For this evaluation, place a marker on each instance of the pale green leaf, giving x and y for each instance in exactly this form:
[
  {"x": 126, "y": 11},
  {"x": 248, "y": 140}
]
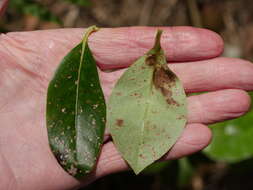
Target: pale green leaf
[{"x": 147, "y": 109}]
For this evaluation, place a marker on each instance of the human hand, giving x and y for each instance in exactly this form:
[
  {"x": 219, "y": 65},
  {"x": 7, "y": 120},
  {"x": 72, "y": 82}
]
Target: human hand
[{"x": 29, "y": 59}]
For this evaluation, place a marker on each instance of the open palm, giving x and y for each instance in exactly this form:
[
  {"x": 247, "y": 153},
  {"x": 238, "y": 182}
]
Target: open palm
[{"x": 28, "y": 60}]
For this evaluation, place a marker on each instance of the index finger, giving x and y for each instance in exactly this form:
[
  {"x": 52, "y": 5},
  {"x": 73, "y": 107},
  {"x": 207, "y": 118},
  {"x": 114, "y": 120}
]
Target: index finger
[
  {"x": 119, "y": 47},
  {"x": 112, "y": 48}
]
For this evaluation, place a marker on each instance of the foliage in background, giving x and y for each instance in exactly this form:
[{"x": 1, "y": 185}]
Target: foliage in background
[
  {"x": 37, "y": 9},
  {"x": 30, "y": 7},
  {"x": 232, "y": 139},
  {"x": 80, "y": 2}
]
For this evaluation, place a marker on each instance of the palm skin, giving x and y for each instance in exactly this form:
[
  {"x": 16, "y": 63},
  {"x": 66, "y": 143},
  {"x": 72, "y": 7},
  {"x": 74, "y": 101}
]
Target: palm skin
[{"x": 29, "y": 59}]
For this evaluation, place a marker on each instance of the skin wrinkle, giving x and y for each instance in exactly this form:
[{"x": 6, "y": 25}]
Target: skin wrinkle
[
  {"x": 38, "y": 66},
  {"x": 197, "y": 106},
  {"x": 12, "y": 183},
  {"x": 194, "y": 35},
  {"x": 32, "y": 74}
]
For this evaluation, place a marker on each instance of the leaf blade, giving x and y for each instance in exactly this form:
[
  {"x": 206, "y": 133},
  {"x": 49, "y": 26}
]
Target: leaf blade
[
  {"x": 76, "y": 111},
  {"x": 146, "y": 94}
]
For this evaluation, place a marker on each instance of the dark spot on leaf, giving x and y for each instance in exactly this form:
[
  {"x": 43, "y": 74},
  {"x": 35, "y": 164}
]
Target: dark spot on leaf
[
  {"x": 164, "y": 79},
  {"x": 135, "y": 94},
  {"x": 61, "y": 157},
  {"x": 141, "y": 156},
  {"x": 118, "y": 93},
  {"x": 119, "y": 122},
  {"x": 151, "y": 60},
  {"x": 181, "y": 117},
  {"x": 171, "y": 101}
]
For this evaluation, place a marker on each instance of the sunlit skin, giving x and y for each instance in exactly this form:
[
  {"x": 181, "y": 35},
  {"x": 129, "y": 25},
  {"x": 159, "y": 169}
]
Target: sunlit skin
[{"x": 29, "y": 59}]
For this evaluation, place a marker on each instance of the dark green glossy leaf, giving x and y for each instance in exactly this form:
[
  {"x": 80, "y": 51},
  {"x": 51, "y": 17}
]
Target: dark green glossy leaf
[
  {"x": 147, "y": 109},
  {"x": 76, "y": 111},
  {"x": 232, "y": 140},
  {"x": 156, "y": 167}
]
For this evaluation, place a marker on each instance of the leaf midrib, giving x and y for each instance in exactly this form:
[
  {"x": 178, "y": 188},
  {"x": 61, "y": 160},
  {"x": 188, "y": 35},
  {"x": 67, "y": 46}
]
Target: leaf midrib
[{"x": 143, "y": 123}]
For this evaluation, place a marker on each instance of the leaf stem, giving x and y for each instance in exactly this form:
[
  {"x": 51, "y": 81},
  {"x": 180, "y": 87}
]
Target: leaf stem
[
  {"x": 88, "y": 32},
  {"x": 157, "y": 45}
]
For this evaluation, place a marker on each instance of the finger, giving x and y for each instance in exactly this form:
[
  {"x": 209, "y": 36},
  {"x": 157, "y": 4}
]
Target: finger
[
  {"x": 194, "y": 138},
  {"x": 207, "y": 75},
  {"x": 217, "y": 106},
  {"x": 215, "y": 74},
  {"x": 112, "y": 48},
  {"x": 179, "y": 43}
]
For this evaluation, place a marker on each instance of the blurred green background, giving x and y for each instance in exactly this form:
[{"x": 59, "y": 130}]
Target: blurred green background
[{"x": 228, "y": 162}]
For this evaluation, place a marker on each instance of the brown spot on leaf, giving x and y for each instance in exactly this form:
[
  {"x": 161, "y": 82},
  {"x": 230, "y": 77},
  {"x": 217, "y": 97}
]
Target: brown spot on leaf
[
  {"x": 181, "y": 117},
  {"x": 164, "y": 79},
  {"x": 118, "y": 93},
  {"x": 171, "y": 101},
  {"x": 163, "y": 76},
  {"x": 119, "y": 122},
  {"x": 135, "y": 94},
  {"x": 151, "y": 60},
  {"x": 141, "y": 156}
]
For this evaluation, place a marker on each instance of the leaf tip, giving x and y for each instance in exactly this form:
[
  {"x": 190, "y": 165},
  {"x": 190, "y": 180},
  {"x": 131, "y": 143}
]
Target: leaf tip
[{"x": 138, "y": 169}]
